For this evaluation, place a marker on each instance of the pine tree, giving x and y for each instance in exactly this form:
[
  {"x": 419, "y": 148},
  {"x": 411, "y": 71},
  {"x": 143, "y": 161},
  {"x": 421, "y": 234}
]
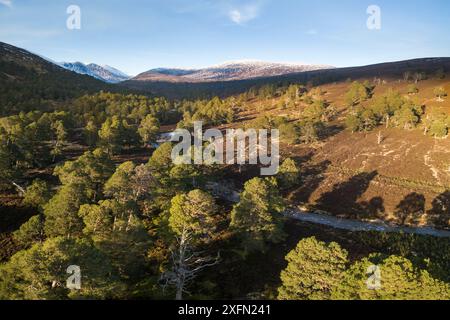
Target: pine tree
[
  {"x": 437, "y": 124},
  {"x": 161, "y": 163},
  {"x": 185, "y": 177},
  {"x": 193, "y": 213},
  {"x": 314, "y": 113},
  {"x": 310, "y": 131},
  {"x": 398, "y": 280},
  {"x": 118, "y": 231},
  {"x": 439, "y": 128},
  {"x": 128, "y": 135},
  {"x": 362, "y": 119},
  {"x": 91, "y": 170},
  {"x": 30, "y": 232},
  {"x": 358, "y": 93},
  {"x": 61, "y": 212},
  {"x": 98, "y": 220},
  {"x": 192, "y": 219},
  {"x": 368, "y": 118},
  {"x": 353, "y": 122},
  {"x": 8, "y": 166},
  {"x": 257, "y": 217},
  {"x": 118, "y": 185},
  {"x": 289, "y": 133},
  {"x": 440, "y": 92},
  {"x": 149, "y": 129},
  {"x": 40, "y": 273},
  {"x": 60, "y": 135},
  {"x": 37, "y": 195},
  {"x": 110, "y": 135},
  {"x": 314, "y": 270},
  {"x": 288, "y": 174},
  {"x": 408, "y": 116},
  {"x": 91, "y": 133},
  {"x": 385, "y": 106}
]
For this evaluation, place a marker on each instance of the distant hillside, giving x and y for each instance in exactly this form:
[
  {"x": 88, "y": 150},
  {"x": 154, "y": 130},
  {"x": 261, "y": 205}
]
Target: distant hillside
[
  {"x": 103, "y": 73},
  {"x": 391, "y": 171},
  {"x": 230, "y": 71},
  {"x": 29, "y": 82},
  {"x": 391, "y": 70}
]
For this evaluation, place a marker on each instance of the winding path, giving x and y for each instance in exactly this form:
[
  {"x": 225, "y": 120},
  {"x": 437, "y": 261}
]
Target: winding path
[
  {"x": 334, "y": 222},
  {"x": 355, "y": 225}
]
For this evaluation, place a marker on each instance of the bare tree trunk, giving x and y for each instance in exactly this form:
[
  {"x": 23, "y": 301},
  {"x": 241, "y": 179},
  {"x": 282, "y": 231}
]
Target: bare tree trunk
[
  {"x": 130, "y": 217},
  {"x": 181, "y": 266},
  {"x": 186, "y": 265},
  {"x": 22, "y": 190},
  {"x": 114, "y": 223},
  {"x": 380, "y": 138}
]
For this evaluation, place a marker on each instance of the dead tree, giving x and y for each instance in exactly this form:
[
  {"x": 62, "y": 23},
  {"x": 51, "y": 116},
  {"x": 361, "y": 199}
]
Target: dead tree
[
  {"x": 380, "y": 137},
  {"x": 19, "y": 188},
  {"x": 187, "y": 263},
  {"x": 406, "y": 76},
  {"x": 418, "y": 76}
]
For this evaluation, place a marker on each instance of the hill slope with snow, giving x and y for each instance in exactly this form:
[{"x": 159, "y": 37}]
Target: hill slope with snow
[
  {"x": 104, "y": 73},
  {"x": 230, "y": 71}
]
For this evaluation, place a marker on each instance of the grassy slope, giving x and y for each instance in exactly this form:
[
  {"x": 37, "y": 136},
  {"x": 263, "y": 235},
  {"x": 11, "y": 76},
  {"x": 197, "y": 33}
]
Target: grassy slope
[{"x": 351, "y": 169}]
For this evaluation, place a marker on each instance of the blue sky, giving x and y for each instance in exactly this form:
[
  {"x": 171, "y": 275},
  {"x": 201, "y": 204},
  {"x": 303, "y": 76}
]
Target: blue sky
[{"x": 137, "y": 35}]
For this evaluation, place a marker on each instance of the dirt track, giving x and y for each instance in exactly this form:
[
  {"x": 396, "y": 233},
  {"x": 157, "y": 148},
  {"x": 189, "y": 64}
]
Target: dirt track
[{"x": 354, "y": 225}]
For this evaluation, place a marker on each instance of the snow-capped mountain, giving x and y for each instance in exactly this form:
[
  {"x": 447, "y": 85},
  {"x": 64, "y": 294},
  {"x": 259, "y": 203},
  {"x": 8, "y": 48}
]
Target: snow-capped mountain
[
  {"x": 104, "y": 73},
  {"x": 234, "y": 70},
  {"x": 115, "y": 71}
]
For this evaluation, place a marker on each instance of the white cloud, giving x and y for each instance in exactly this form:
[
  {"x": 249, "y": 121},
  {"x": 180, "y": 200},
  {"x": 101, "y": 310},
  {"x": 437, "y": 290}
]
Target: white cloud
[
  {"x": 7, "y": 3},
  {"x": 235, "y": 16},
  {"x": 237, "y": 11},
  {"x": 243, "y": 14}
]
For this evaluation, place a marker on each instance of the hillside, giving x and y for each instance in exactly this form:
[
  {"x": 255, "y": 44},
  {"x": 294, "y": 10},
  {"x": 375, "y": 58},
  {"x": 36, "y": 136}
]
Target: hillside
[
  {"x": 29, "y": 82},
  {"x": 104, "y": 73},
  {"x": 351, "y": 174},
  {"x": 229, "y": 71},
  {"x": 191, "y": 90}
]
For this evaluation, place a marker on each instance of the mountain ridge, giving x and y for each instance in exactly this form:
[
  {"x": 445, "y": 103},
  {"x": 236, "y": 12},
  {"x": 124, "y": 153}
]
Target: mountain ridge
[
  {"x": 227, "y": 71},
  {"x": 101, "y": 72},
  {"x": 382, "y": 71},
  {"x": 29, "y": 81}
]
